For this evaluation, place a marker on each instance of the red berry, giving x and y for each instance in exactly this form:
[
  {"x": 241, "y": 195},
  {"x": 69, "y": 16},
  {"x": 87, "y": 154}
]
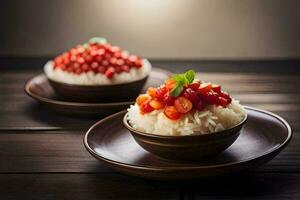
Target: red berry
[
  {"x": 94, "y": 65},
  {"x": 107, "y": 56},
  {"x": 80, "y": 49},
  {"x": 115, "y": 49},
  {"x": 211, "y": 97},
  {"x": 58, "y": 60},
  {"x": 62, "y": 67},
  {"x": 200, "y": 105},
  {"x": 168, "y": 100},
  {"x": 109, "y": 73},
  {"x": 75, "y": 65},
  {"x": 216, "y": 88},
  {"x": 88, "y": 58},
  {"x": 85, "y": 67},
  {"x": 138, "y": 63},
  {"x": 101, "y": 69},
  {"x": 160, "y": 92},
  {"x": 125, "y": 68},
  {"x": 224, "y": 95},
  {"x": 80, "y": 60},
  {"x": 120, "y": 62},
  {"x": 94, "y": 53},
  {"x": 73, "y": 51},
  {"x": 73, "y": 58},
  {"x": 118, "y": 69},
  {"x": 100, "y": 52},
  {"x": 98, "y": 58},
  {"x": 117, "y": 55},
  {"x": 78, "y": 71},
  {"x": 223, "y": 102},
  {"x": 194, "y": 86},
  {"x": 124, "y": 55},
  {"x": 113, "y": 61},
  {"x": 104, "y": 63},
  {"x": 133, "y": 58},
  {"x": 191, "y": 95},
  {"x": 145, "y": 107}
]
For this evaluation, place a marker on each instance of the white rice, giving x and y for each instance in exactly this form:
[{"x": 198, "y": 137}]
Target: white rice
[
  {"x": 212, "y": 119},
  {"x": 90, "y": 78}
]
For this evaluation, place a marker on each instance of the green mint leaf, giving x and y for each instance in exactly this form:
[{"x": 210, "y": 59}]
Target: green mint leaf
[
  {"x": 176, "y": 91},
  {"x": 189, "y": 75},
  {"x": 98, "y": 40},
  {"x": 85, "y": 45},
  {"x": 180, "y": 78}
]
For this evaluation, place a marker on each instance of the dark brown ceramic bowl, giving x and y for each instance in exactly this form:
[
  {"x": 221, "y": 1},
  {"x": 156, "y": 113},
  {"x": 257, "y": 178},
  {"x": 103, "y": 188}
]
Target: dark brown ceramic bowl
[
  {"x": 99, "y": 93},
  {"x": 190, "y": 147}
]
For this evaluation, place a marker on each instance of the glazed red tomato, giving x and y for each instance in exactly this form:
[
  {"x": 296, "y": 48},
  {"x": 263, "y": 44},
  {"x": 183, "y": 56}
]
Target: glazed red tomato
[
  {"x": 216, "y": 88},
  {"x": 191, "y": 95},
  {"x": 142, "y": 98},
  {"x": 151, "y": 91},
  {"x": 168, "y": 100},
  {"x": 109, "y": 73},
  {"x": 223, "y": 102},
  {"x": 172, "y": 113},
  {"x": 170, "y": 84},
  {"x": 200, "y": 105},
  {"x": 160, "y": 92},
  {"x": 204, "y": 88},
  {"x": 211, "y": 97},
  {"x": 156, "y": 104},
  {"x": 195, "y": 85},
  {"x": 183, "y": 105},
  {"x": 226, "y": 96},
  {"x": 145, "y": 107}
]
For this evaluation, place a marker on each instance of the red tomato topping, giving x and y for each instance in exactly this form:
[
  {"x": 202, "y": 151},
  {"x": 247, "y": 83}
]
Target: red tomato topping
[
  {"x": 216, "y": 88},
  {"x": 200, "y": 105},
  {"x": 109, "y": 73},
  {"x": 223, "y": 102},
  {"x": 145, "y": 107},
  {"x": 211, "y": 97},
  {"x": 89, "y": 57},
  {"x": 151, "y": 91},
  {"x": 204, "y": 88},
  {"x": 156, "y": 104},
  {"x": 170, "y": 84},
  {"x": 194, "y": 86},
  {"x": 172, "y": 113},
  {"x": 226, "y": 96},
  {"x": 191, "y": 95},
  {"x": 142, "y": 98},
  {"x": 183, "y": 105},
  {"x": 168, "y": 100},
  {"x": 160, "y": 92}
]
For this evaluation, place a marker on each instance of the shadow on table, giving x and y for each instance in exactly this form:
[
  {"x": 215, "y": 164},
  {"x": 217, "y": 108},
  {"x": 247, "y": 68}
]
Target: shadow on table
[{"x": 48, "y": 118}]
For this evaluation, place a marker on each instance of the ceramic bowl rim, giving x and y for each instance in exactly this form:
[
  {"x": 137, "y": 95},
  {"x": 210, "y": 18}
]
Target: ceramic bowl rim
[
  {"x": 96, "y": 86},
  {"x": 142, "y": 133},
  {"x": 64, "y": 103}
]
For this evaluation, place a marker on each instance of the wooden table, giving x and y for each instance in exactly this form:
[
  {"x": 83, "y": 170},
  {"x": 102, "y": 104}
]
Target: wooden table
[{"x": 43, "y": 157}]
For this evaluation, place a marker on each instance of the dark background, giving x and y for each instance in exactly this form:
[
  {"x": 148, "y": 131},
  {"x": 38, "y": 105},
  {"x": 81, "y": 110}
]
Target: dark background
[{"x": 159, "y": 29}]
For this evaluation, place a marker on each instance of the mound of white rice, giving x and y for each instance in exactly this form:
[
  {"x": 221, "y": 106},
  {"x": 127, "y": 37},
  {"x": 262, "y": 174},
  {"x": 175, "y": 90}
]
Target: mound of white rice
[
  {"x": 90, "y": 78},
  {"x": 212, "y": 119}
]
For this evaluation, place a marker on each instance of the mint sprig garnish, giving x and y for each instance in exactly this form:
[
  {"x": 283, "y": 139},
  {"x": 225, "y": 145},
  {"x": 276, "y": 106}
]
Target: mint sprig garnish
[
  {"x": 181, "y": 80},
  {"x": 98, "y": 40}
]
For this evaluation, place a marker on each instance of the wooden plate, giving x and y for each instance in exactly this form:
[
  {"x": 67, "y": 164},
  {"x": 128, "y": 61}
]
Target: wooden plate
[
  {"x": 39, "y": 88},
  {"x": 263, "y": 136}
]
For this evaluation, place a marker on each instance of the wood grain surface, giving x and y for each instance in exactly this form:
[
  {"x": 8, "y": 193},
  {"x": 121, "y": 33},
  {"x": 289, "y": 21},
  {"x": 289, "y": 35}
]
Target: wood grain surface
[{"x": 43, "y": 157}]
